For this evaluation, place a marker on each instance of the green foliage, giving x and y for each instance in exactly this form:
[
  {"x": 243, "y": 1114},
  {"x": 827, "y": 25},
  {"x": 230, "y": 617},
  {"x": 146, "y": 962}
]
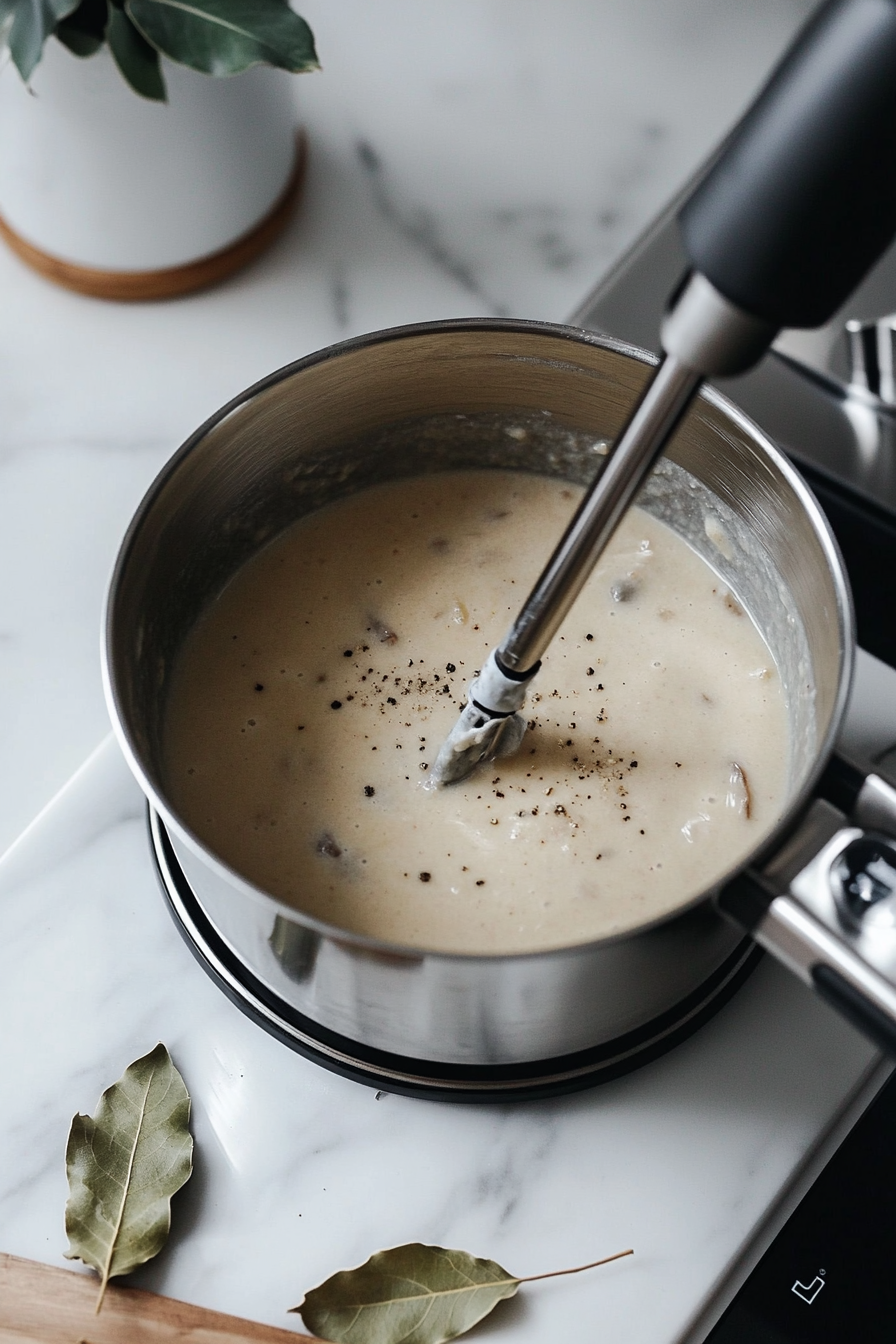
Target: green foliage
[
  {"x": 223, "y": 37},
  {"x": 84, "y": 31},
  {"x": 26, "y": 25},
  {"x": 124, "y": 1165},
  {"x": 136, "y": 59},
  {"x": 216, "y": 37}
]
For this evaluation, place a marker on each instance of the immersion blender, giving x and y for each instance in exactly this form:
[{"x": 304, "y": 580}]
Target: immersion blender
[{"x": 795, "y": 210}]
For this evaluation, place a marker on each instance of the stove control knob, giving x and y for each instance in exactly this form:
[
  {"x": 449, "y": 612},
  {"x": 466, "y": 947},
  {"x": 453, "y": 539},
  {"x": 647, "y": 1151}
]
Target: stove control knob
[
  {"x": 871, "y": 349},
  {"x": 863, "y": 879}
]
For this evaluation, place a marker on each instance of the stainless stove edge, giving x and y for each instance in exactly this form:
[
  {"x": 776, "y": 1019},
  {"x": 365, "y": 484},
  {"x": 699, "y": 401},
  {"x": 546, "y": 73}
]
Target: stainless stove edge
[{"x": 796, "y": 393}]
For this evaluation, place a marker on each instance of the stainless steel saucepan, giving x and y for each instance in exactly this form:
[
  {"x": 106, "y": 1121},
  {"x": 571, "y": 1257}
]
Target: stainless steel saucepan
[
  {"x": 434, "y": 398},
  {"x": 791, "y": 214}
]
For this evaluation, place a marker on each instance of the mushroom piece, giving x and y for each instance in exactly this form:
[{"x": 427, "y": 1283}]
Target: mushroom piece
[{"x": 738, "y": 795}]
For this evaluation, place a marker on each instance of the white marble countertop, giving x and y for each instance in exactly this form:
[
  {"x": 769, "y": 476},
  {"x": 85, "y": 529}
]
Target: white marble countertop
[
  {"x": 467, "y": 158},
  {"x": 487, "y": 156}
]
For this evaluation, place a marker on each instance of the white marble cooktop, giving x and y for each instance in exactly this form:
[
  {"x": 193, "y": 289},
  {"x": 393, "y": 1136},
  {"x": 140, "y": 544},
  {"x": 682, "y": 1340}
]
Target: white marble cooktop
[
  {"x": 483, "y": 156},
  {"x": 300, "y": 1173}
]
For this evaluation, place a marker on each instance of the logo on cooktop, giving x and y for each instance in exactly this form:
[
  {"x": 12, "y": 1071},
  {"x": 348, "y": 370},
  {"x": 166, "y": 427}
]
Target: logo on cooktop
[{"x": 809, "y": 1292}]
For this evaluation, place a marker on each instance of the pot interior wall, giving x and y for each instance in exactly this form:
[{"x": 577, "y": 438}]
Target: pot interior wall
[{"x": 440, "y": 399}]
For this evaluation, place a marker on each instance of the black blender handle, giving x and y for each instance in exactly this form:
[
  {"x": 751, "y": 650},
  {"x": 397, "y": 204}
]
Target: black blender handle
[{"x": 802, "y": 200}]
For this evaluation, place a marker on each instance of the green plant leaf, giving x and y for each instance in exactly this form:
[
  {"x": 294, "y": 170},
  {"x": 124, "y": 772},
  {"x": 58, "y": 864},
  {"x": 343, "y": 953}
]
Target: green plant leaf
[
  {"x": 135, "y": 58},
  {"x": 26, "y": 25},
  {"x": 84, "y": 31},
  {"x": 124, "y": 1165},
  {"x": 223, "y": 37},
  {"x": 78, "y": 42}
]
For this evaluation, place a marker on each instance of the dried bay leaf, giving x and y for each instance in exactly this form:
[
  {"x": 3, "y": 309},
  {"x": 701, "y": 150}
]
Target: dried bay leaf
[
  {"x": 416, "y": 1294},
  {"x": 124, "y": 1165},
  {"x": 413, "y": 1294}
]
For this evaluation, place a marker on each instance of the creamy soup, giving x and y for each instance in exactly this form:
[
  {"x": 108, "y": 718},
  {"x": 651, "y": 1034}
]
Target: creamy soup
[{"x": 312, "y": 697}]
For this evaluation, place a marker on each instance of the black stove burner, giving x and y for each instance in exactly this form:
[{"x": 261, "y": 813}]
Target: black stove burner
[{"x": 423, "y": 1078}]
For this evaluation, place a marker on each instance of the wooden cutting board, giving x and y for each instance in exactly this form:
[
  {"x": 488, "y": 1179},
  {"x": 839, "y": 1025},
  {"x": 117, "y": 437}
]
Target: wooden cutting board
[{"x": 40, "y": 1304}]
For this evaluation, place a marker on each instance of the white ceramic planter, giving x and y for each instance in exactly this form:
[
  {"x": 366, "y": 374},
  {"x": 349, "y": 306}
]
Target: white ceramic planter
[{"x": 101, "y": 180}]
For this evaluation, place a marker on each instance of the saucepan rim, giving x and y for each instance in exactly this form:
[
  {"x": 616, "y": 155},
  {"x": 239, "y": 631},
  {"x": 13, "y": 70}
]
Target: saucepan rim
[{"x": 577, "y": 335}]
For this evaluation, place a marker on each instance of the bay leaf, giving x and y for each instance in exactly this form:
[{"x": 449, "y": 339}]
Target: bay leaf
[
  {"x": 414, "y": 1294},
  {"x": 124, "y": 1165}
]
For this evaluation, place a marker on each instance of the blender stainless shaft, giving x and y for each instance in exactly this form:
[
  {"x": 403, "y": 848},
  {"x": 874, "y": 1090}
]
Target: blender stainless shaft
[
  {"x": 703, "y": 334},
  {"x": 667, "y": 398}
]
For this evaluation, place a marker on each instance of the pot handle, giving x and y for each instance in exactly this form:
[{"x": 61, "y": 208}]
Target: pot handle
[{"x": 825, "y": 904}]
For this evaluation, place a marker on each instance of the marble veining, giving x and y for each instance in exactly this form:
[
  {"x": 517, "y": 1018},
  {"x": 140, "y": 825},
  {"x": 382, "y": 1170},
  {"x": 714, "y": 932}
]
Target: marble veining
[{"x": 420, "y": 228}]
